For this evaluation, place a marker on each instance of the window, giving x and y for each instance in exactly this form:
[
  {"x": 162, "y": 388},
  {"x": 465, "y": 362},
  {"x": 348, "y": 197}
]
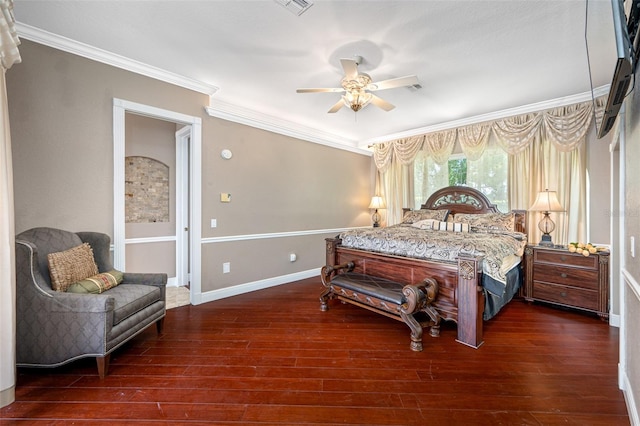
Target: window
[{"x": 487, "y": 174}]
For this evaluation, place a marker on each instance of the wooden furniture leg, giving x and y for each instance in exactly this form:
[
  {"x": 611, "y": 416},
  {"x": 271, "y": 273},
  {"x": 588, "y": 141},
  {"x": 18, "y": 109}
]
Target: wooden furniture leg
[{"x": 103, "y": 365}]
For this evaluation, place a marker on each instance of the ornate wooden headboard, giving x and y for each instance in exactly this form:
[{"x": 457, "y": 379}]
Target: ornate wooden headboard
[{"x": 463, "y": 199}]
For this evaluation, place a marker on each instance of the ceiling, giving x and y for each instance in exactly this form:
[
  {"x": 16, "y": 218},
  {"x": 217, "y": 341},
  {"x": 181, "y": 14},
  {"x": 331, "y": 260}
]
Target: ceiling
[{"x": 474, "y": 59}]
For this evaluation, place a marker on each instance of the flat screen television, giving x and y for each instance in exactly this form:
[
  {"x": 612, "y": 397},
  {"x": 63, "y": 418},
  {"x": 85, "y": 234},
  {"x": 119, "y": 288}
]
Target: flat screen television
[{"x": 623, "y": 67}]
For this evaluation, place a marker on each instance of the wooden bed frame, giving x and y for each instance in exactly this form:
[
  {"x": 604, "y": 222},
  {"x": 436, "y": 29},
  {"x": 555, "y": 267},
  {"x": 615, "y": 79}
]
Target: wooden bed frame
[{"x": 460, "y": 294}]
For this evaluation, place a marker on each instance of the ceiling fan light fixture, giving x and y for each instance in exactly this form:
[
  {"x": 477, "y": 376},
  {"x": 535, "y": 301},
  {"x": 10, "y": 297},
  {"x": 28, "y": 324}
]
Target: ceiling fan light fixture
[
  {"x": 355, "y": 96},
  {"x": 357, "y": 86},
  {"x": 357, "y": 99}
]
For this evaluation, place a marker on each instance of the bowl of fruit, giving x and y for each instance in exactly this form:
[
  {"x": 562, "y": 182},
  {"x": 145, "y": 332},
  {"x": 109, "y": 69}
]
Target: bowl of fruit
[{"x": 584, "y": 249}]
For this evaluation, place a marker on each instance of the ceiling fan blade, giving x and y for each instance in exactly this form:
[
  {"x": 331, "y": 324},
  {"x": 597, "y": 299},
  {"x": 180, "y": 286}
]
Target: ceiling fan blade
[
  {"x": 409, "y": 80},
  {"x": 350, "y": 67},
  {"x": 381, "y": 103},
  {"x": 337, "y": 106},
  {"x": 321, "y": 90}
]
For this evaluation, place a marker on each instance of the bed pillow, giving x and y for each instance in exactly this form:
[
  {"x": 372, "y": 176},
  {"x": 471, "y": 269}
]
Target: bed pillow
[
  {"x": 97, "y": 283},
  {"x": 413, "y": 216},
  {"x": 426, "y": 224},
  {"x": 488, "y": 221},
  {"x": 69, "y": 266},
  {"x": 437, "y": 225}
]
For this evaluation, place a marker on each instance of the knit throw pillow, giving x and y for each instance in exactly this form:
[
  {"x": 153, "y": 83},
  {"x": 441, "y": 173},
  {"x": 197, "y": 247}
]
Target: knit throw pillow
[{"x": 70, "y": 266}]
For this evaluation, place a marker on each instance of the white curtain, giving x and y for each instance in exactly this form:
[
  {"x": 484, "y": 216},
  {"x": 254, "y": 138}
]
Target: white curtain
[
  {"x": 8, "y": 56},
  {"x": 428, "y": 177},
  {"x": 489, "y": 174},
  {"x": 546, "y": 150},
  {"x": 396, "y": 186}
]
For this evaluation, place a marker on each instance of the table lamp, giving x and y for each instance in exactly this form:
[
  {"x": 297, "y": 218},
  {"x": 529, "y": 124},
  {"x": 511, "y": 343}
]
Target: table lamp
[
  {"x": 377, "y": 202},
  {"x": 546, "y": 202}
]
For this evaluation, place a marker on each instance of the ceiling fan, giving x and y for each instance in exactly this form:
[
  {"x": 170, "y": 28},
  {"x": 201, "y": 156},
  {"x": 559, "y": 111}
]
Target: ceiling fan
[{"x": 357, "y": 88}]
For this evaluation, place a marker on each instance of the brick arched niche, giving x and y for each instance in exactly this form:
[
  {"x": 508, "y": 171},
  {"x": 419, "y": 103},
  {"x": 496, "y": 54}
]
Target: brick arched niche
[{"x": 146, "y": 195}]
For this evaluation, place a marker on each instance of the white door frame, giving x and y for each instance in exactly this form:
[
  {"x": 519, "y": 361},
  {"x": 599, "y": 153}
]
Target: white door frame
[
  {"x": 120, "y": 107},
  {"x": 183, "y": 139}
]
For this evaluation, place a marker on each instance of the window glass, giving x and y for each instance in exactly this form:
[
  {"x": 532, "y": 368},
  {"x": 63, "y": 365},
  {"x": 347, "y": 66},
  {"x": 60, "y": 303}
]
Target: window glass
[{"x": 487, "y": 174}]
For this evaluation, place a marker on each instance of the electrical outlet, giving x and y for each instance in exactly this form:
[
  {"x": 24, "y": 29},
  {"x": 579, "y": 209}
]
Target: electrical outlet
[
  {"x": 226, "y": 267},
  {"x": 214, "y": 223},
  {"x": 632, "y": 245},
  {"x": 293, "y": 257}
]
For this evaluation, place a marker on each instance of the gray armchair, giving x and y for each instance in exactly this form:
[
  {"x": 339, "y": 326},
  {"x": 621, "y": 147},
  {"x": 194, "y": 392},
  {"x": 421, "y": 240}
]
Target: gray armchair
[{"x": 54, "y": 328}]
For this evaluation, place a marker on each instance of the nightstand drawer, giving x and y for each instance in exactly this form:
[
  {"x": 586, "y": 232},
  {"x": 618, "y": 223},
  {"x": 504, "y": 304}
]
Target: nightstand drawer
[
  {"x": 566, "y": 258},
  {"x": 565, "y": 295},
  {"x": 555, "y": 275},
  {"x": 566, "y": 275}
]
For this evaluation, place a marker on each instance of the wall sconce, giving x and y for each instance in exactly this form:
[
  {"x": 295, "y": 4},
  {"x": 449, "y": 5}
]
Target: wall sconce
[
  {"x": 546, "y": 201},
  {"x": 377, "y": 202}
]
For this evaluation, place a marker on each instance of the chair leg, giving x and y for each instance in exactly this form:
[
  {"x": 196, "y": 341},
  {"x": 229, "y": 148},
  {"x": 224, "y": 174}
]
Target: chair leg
[
  {"x": 103, "y": 365},
  {"x": 160, "y": 325}
]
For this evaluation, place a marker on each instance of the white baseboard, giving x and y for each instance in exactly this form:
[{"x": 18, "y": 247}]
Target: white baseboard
[
  {"x": 222, "y": 293},
  {"x": 614, "y": 320},
  {"x": 628, "y": 396},
  {"x": 8, "y": 396}
]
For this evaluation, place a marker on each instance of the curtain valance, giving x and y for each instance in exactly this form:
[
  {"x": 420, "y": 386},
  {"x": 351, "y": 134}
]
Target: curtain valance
[
  {"x": 9, "y": 40},
  {"x": 565, "y": 127},
  {"x": 473, "y": 140},
  {"x": 404, "y": 151}
]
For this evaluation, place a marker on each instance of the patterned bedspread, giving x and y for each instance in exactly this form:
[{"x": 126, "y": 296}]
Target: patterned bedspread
[{"x": 501, "y": 250}]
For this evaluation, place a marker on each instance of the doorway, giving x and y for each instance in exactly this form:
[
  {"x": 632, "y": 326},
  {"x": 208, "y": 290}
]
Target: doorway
[{"x": 188, "y": 141}]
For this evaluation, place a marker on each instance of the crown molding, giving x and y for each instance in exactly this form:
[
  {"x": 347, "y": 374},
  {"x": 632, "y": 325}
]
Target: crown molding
[
  {"x": 237, "y": 114},
  {"x": 218, "y": 109},
  {"x": 241, "y": 115},
  {"x": 492, "y": 116},
  {"x": 90, "y": 52}
]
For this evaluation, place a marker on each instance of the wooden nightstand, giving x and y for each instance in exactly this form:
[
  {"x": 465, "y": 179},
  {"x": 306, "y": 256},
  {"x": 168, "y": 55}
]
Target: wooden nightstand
[{"x": 555, "y": 275}]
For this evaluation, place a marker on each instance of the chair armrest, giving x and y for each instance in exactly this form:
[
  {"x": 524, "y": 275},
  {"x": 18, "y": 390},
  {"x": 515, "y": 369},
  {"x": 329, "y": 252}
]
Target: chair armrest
[
  {"x": 79, "y": 303},
  {"x": 158, "y": 279}
]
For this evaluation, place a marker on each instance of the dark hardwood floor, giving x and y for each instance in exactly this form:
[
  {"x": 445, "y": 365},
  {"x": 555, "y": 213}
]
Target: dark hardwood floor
[{"x": 272, "y": 358}]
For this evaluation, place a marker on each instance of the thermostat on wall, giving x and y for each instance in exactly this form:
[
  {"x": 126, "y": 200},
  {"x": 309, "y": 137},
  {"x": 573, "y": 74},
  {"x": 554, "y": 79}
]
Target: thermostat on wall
[{"x": 226, "y": 154}]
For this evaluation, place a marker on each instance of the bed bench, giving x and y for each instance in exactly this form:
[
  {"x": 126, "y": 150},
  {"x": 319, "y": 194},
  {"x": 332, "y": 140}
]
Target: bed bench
[{"x": 386, "y": 297}]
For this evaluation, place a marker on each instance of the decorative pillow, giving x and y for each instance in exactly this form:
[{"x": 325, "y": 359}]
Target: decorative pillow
[
  {"x": 426, "y": 224},
  {"x": 454, "y": 227},
  {"x": 97, "y": 283},
  {"x": 441, "y": 226},
  {"x": 69, "y": 266},
  {"x": 488, "y": 221},
  {"x": 413, "y": 216}
]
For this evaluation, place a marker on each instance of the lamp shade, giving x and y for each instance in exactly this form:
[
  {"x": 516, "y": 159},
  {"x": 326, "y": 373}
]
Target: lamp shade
[
  {"x": 547, "y": 201},
  {"x": 377, "y": 202}
]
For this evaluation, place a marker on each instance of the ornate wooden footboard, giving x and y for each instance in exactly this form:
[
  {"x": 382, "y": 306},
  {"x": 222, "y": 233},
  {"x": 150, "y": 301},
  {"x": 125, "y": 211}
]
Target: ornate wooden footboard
[
  {"x": 460, "y": 293},
  {"x": 460, "y": 296}
]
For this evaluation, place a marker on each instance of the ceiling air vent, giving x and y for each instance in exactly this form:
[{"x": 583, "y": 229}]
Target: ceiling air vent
[{"x": 297, "y": 7}]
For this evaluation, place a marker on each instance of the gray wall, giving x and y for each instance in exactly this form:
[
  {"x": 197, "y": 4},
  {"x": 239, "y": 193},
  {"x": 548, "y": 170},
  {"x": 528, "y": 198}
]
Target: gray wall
[
  {"x": 60, "y": 107},
  {"x": 599, "y": 176},
  {"x": 631, "y": 220}
]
